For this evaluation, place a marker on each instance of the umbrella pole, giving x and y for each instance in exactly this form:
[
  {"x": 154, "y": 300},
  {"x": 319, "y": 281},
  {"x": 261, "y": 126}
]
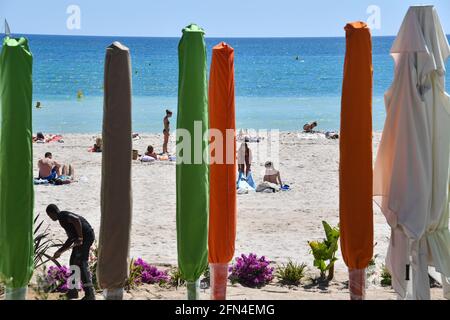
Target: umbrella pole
[
  {"x": 193, "y": 290},
  {"x": 16, "y": 293},
  {"x": 113, "y": 294},
  {"x": 357, "y": 284},
  {"x": 219, "y": 276}
]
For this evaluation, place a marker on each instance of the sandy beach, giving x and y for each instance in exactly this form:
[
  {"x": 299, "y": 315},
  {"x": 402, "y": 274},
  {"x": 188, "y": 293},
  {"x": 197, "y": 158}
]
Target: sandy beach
[{"x": 275, "y": 225}]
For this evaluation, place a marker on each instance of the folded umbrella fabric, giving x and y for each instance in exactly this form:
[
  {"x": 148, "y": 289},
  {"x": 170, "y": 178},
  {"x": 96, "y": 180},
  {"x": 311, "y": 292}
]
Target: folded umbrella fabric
[
  {"x": 355, "y": 166},
  {"x": 16, "y": 167},
  {"x": 192, "y": 170},
  {"x": 116, "y": 194},
  {"x": 411, "y": 175}
]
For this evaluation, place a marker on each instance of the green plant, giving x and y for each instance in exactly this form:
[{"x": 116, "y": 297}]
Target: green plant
[
  {"x": 206, "y": 281},
  {"x": 93, "y": 260},
  {"x": 371, "y": 267},
  {"x": 133, "y": 277},
  {"x": 324, "y": 252},
  {"x": 42, "y": 243},
  {"x": 176, "y": 278},
  {"x": 386, "y": 279},
  {"x": 290, "y": 273}
]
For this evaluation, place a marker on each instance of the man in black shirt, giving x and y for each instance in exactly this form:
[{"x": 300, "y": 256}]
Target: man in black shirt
[{"x": 80, "y": 237}]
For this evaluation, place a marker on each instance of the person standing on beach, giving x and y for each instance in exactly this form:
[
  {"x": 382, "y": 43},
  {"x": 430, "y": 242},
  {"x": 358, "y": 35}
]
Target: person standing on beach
[
  {"x": 80, "y": 237},
  {"x": 244, "y": 157},
  {"x": 166, "y": 130}
]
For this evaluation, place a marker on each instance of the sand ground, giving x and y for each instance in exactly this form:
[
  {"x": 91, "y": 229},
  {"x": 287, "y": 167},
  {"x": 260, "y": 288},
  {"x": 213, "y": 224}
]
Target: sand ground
[{"x": 275, "y": 225}]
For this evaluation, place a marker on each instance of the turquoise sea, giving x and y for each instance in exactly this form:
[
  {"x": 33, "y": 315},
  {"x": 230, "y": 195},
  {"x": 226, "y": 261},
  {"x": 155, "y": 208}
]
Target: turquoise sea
[{"x": 281, "y": 83}]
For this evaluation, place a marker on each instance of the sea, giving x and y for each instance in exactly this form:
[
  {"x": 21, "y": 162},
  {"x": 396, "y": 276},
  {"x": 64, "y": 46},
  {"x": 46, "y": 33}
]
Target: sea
[{"x": 281, "y": 83}]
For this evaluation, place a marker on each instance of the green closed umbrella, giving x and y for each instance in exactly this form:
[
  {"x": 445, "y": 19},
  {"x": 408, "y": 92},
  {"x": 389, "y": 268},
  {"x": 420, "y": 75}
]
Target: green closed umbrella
[
  {"x": 16, "y": 167},
  {"x": 192, "y": 168}
]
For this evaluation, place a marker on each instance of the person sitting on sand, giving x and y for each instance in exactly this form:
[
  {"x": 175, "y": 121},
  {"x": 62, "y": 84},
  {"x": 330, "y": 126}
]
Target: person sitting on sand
[
  {"x": 49, "y": 169},
  {"x": 52, "y": 171},
  {"x": 151, "y": 152},
  {"x": 272, "y": 175},
  {"x": 98, "y": 145},
  {"x": 309, "y": 127},
  {"x": 271, "y": 181}
]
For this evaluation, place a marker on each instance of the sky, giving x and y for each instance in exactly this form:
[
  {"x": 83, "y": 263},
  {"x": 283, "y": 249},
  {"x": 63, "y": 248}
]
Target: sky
[{"x": 231, "y": 18}]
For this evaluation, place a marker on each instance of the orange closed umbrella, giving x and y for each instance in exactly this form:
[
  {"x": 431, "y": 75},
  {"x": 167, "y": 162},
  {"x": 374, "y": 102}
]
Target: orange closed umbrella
[
  {"x": 355, "y": 171},
  {"x": 222, "y": 207}
]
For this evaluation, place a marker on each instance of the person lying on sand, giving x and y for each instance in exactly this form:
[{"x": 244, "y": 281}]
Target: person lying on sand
[
  {"x": 309, "y": 127},
  {"x": 80, "y": 237},
  {"x": 331, "y": 135},
  {"x": 52, "y": 171},
  {"x": 41, "y": 138}
]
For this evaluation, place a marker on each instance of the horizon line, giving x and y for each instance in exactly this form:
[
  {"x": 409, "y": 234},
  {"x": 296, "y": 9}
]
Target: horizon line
[{"x": 177, "y": 37}]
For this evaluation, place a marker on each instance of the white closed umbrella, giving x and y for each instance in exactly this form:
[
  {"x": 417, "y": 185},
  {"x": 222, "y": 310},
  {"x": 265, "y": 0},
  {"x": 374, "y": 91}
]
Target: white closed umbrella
[{"x": 411, "y": 175}]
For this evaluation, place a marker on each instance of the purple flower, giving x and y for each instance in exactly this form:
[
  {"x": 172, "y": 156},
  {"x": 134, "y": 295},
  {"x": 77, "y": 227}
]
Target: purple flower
[
  {"x": 149, "y": 274},
  {"x": 57, "y": 279},
  {"x": 251, "y": 271}
]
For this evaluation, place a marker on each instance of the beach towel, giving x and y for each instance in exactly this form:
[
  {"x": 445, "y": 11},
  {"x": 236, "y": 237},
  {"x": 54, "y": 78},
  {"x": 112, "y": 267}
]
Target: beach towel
[
  {"x": 116, "y": 196},
  {"x": 16, "y": 167},
  {"x": 222, "y": 193},
  {"x": 268, "y": 187},
  {"x": 355, "y": 149},
  {"x": 244, "y": 187},
  {"x": 192, "y": 173},
  {"x": 147, "y": 159},
  {"x": 40, "y": 181},
  {"x": 411, "y": 176}
]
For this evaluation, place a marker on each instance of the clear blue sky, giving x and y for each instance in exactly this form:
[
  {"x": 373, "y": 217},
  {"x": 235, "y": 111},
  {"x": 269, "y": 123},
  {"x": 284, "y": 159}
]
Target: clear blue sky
[{"x": 231, "y": 18}]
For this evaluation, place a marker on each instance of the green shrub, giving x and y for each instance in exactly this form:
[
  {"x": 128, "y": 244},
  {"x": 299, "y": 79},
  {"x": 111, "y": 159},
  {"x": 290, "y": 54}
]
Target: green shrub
[
  {"x": 290, "y": 273},
  {"x": 386, "y": 279},
  {"x": 176, "y": 278},
  {"x": 324, "y": 252}
]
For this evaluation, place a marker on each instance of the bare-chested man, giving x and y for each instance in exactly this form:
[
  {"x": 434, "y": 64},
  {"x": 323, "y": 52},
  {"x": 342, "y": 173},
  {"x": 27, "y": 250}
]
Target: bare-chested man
[{"x": 51, "y": 170}]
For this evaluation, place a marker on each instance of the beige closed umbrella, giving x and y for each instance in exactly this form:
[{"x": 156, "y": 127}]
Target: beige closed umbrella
[{"x": 116, "y": 195}]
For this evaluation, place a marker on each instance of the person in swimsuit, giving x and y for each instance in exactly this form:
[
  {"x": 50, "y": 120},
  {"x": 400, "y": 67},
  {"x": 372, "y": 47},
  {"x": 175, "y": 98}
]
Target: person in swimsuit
[
  {"x": 53, "y": 172},
  {"x": 49, "y": 169},
  {"x": 151, "y": 152},
  {"x": 272, "y": 175},
  {"x": 244, "y": 157},
  {"x": 80, "y": 237},
  {"x": 166, "y": 130},
  {"x": 309, "y": 127}
]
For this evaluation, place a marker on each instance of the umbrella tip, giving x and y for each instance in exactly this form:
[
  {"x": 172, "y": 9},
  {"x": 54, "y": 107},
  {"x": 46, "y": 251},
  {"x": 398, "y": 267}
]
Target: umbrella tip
[{"x": 7, "y": 30}]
